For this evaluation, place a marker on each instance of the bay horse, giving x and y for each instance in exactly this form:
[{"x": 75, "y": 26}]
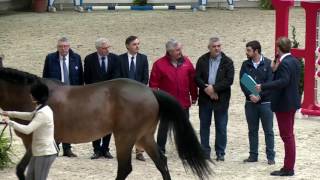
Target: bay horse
[{"x": 126, "y": 108}]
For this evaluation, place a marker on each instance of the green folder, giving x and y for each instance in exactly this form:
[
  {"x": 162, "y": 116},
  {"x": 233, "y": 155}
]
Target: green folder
[{"x": 248, "y": 82}]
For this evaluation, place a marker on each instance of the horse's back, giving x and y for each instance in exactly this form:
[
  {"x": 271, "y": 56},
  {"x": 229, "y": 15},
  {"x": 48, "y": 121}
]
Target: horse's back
[{"x": 85, "y": 113}]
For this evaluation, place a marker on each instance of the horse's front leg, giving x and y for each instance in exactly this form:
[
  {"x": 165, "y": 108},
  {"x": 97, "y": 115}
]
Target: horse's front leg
[{"x": 22, "y": 165}]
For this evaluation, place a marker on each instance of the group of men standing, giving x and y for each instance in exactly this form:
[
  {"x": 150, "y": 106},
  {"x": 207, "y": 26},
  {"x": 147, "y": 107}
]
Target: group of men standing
[
  {"x": 210, "y": 82},
  {"x": 102, "y": 65},
  {"x": 173, "y": 73}
]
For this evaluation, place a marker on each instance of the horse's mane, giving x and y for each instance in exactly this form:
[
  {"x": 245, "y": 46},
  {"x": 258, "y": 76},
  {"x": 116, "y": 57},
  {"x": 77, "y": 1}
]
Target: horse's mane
[{"x": 17, "y": 77}]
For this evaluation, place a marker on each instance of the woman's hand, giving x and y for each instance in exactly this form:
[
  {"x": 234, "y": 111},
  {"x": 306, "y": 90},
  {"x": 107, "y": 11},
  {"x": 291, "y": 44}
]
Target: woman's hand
[
  {"x": 4, "y": 113},
  {"x": 7, "y": 121}
]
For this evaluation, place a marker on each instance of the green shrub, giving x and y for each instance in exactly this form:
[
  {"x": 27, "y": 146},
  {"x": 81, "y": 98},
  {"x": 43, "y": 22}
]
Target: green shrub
[
  {"x": 295, "y": 44},
  {"x": 5, "y": 153},
  {"x": 266, "y": 4},
  {"x": 140, "y": 2}
]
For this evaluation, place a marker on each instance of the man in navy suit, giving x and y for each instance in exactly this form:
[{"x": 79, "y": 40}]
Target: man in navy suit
[
  {"x": 65, "y": 66},
  {"x": 136, "y": 60},
  {"x": 285, "y": 100},
  {"x": 101, "y": 66},
  {"x": 134, "y": 65}
]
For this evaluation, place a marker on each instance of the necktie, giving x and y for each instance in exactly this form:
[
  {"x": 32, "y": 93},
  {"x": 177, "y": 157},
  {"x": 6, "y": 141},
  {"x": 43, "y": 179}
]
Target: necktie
[
  {"x": 65, "y": 71},
  {"x": 103, "y": 64},
  {"x": 132, "y": 68}
]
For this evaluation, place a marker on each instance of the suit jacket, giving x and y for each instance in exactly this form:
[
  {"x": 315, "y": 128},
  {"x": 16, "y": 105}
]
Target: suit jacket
[
  {"x": 92, "y": 70},
  {"x": 41, "y": 127},
  {"x": 142, "y": 67},
  {"x": 224, "y": 80},
  {"x": 52, "y": 68},
  {"x": 285, "y": 85}
]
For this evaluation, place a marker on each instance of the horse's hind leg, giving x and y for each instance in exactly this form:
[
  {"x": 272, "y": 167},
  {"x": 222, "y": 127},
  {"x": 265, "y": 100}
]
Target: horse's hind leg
[
  {"x": 22, "y": 165},
  {"x": 124, "y": 145},
  {"x": 160, "y": 160}
]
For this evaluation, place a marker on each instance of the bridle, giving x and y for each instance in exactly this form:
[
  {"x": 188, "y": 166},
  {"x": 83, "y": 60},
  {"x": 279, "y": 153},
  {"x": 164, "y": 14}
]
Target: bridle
[{"x": 2, "y": 132}]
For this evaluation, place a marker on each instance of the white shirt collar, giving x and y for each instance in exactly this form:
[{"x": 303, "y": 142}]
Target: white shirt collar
[
  {"x": 134, "y": 59},
  {"x": 134, "y": 56},
  {"x": 99, "y": 56},
  {"x": 61, "y": 57},
  {"x": 260, "y": 60},
  {"x": 284, "y": 55}
]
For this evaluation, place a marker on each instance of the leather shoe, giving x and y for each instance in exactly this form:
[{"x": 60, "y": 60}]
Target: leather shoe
[
  {"x": 220, "y": 158},
  {"x": 207, "y": 157},
  {"x": 282, "y": 172},
  {"x": 95, "y": 155},
  {"x": 69, "y": 153},
  {"x": 271, "y": 162},
  {"x": 250, "y": 159},
  {"x": 140, "y": 157},
  {"x": 108, "y": 155}
]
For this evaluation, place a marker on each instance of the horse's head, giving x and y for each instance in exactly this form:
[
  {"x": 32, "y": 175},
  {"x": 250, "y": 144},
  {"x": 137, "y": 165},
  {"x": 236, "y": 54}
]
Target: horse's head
[{"x": 15, "y": 89}]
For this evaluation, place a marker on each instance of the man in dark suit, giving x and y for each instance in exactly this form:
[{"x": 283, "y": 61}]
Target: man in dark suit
[
  {"x": 65, "y": 66},
  {"x": 134, "y": 65},
  {"x": 214, "y": 77},
  {"x": 285, "y": 100},
  {"x": 101, "y": 66},
  {"x": 133, "y": 58}
]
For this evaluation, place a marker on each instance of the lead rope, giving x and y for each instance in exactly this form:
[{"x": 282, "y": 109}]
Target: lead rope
[{"x": 10, "y": 132}]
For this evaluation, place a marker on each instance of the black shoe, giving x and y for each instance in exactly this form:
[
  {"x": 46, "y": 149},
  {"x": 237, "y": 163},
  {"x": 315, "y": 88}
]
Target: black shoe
[
  {"x": 96, "y": 155},
  {"x": 220, "y": 158},
  {"x": 250, "y": 159},
  {"x": 108, "y": 155},
  {"x": 282, "y": 172},
  {"x": 271, "y": 162},
  {"x": 207, "y": 157},
  {"x": 69, "y": 153}
]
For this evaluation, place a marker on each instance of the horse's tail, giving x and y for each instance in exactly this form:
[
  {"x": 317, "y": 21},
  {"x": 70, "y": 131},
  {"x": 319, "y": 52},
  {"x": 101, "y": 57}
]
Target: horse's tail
[{"x": 174, "y": 118}]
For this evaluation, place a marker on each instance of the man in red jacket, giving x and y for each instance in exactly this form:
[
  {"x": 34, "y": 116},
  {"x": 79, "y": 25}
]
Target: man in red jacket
[{"x": 174, "y": 73}]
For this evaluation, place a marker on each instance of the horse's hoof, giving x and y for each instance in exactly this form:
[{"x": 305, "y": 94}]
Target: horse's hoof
[{"x": 52, "y": 9}]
